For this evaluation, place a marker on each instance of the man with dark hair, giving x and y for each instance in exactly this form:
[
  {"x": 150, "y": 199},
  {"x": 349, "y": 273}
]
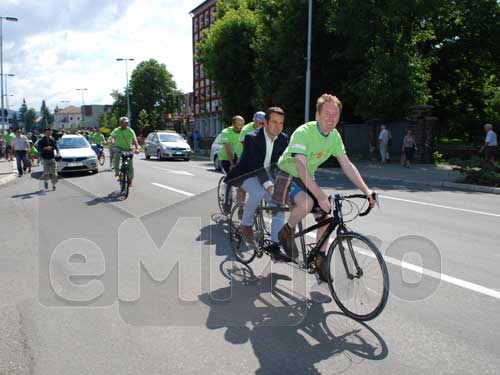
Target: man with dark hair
[
  {"x": 255, "y": 172},
  {"x": 46, "y": 147}
]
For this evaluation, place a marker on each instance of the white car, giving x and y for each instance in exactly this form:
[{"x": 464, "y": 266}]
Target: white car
[
  {"x": 214, "y": 151},
  {"x": 166, "y": 145},
  {"x": 76, "y": 155}
]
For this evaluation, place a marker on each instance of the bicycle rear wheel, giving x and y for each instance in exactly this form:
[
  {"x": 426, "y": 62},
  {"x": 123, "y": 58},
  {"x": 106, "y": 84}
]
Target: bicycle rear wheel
[
  {"x": 358, "y": 277},
  {"x": 102, "y": 158},
  {"x": 244, "y": 253}
]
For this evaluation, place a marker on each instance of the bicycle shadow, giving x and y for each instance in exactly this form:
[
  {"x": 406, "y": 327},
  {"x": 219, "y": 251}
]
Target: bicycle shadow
[
  {"x": 288, "y": 334},
  {"x": 112, "y": 197},
  {"x": 216, "y": 234}
]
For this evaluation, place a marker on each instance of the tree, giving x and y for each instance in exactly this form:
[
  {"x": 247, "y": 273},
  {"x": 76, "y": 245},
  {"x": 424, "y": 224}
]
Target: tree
[
  {"x": 153, "y": 90},
  {"x": 22, "y": 111},
  {"x": 45, "y": 114},
  {"x": 29, "y": 119},
  {"x": 228, "y": 56},
  {"x": 143, "y": 121}
]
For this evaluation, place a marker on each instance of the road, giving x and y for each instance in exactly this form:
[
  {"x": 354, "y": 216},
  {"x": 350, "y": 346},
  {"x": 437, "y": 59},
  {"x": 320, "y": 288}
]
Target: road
[{"x": 76, "y": 300}]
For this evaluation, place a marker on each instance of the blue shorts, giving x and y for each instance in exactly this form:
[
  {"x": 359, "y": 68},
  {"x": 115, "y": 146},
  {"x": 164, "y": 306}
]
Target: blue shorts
[{"x": 296, "y": 188}]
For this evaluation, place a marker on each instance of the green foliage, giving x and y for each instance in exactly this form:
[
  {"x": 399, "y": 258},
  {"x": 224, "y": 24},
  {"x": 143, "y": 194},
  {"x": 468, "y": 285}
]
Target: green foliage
[
  {"x": 29, "y": 119},
  {"x": 478, "y": 171},
  {"x": 438, "y": 157},
  {"x": 143, "y": 121},
  {"x": 22, "y": 111},
  {"x": 229, "y": 58},
  {"x": 153, "y": 90}
]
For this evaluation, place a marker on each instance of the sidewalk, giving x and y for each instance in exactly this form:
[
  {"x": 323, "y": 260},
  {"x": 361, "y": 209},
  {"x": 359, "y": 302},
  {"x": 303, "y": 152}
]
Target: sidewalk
[
  {"x": 423, "y": 174},
  {"x": 8, "y": 171}
]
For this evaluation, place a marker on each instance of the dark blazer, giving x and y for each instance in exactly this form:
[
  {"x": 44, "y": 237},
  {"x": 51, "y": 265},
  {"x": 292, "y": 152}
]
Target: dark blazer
[{"x": 251, "y": 162}]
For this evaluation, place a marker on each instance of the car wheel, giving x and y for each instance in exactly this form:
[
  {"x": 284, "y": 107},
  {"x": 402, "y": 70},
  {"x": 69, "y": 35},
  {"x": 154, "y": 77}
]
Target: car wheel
[
  {"x": 216, "y": 163},
  {"x": 187, "y": 159},
  {"x": 158, "y": 155},
  {"x": 94, "y": 171}
]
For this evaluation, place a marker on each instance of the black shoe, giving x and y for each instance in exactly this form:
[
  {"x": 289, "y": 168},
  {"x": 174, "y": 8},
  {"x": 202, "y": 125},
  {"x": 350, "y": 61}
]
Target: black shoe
[
  {"x": 274, "y": 251},
  {"x": 320, "y": 264},
  {"x": 46, "y": 185},
  {"x": 53, "y": 187},
  {"x": 287, "y": 241}
]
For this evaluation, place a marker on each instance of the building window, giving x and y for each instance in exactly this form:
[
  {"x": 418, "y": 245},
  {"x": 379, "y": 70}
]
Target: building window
[
  {"x": 71, "y": 119},
  {"x": 207, "y": 19}
]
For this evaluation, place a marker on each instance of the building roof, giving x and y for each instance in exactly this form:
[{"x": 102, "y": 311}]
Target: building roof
[
  {"x": 198, "y": 8},
  {"x": 71, "y": 110}
]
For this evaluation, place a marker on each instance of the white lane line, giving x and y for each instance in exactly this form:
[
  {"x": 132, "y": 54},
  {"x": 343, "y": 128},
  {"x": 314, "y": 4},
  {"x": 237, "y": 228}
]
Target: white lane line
[
  {"x": 175, "y": 171},
  {"x": 173, "y": 189},
  {"x": 436, "y": 275},
  {"x": 441, "y": 206}
]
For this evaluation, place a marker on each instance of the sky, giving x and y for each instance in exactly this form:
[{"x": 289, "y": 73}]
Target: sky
[{"x": 58, "y": 46}]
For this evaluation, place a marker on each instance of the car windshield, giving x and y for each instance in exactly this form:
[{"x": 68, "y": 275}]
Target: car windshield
[
  {"x": 170, "y": 138},
  {"x": 78, "y": 142}
]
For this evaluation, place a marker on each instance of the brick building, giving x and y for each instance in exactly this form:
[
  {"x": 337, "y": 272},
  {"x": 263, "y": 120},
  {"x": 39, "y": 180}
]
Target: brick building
[{"x": 207, "y": 109}]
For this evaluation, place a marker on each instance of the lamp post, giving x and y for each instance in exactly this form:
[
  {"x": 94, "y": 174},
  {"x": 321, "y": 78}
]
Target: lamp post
[
  {"x": 1, "y": 63},
  {"x": 83, "y": 103},
  {"x": 6, "y": 90},
  {"x": 308, "y": 72},
  {"x": 127, "y": 88}
]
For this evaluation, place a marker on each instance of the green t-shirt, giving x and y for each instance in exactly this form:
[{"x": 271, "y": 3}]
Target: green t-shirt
[
  {"x": 233, "y": 139},
  {"x": 8, "y": 138},
  {"x": 123, "y": 138},
  {"x": 98, "y": 139},
  {"x": 248, "y": 128},
  {"x": 307, "y": 140},
  {"x": 33, "y": 151}
]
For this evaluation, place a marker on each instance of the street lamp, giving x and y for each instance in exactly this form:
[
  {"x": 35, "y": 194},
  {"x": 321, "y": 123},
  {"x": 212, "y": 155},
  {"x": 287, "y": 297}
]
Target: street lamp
[
  {"x": 127, "y": 88},
  {"x": 308, "y": 72},
  {"x": 6, "y": 90},
  {"x": 83, "y": 104},
  {"x": 1, "y": 62}
]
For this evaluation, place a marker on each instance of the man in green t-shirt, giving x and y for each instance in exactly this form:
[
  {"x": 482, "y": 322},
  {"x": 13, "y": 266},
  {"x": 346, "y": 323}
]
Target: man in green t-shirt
[
  {"x": 8, "y": 144},
  {"x": 259, "y": 119},
  {"x": 122, "y": 139},
  {"x": 231, "y": 146},
  {"x": 310, "y": 146}
]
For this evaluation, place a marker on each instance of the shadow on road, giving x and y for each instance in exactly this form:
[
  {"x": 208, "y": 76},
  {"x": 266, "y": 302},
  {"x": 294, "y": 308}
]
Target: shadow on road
[{"x": 288, "y": 334}]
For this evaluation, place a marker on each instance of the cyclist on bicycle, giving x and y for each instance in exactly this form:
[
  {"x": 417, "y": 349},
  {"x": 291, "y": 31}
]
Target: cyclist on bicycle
[
  {"x": 98, "y": 139},
  {"x": 122, "y": 139},
  {"x": 231, "y": 148},
  {"x": 255, "y": 172},
  {"x": 258, "y": 122},
  {"x": 311, "y": 144}
]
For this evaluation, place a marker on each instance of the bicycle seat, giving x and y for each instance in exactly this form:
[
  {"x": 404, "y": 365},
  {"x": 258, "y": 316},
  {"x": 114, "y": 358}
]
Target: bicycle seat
[{"x": 127, "y": 155}]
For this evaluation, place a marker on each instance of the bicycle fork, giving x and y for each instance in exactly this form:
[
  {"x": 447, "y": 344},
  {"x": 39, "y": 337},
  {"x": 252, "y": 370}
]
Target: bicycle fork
[{"x": 342, "y": 249}]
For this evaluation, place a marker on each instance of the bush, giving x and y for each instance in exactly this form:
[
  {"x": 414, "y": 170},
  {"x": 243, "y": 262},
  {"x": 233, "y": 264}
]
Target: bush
[{"x": 478, "y": 171}]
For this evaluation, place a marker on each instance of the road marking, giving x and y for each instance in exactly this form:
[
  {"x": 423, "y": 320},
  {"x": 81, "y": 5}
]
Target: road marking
[
  {"x": 173, "y": 189},
  {"x": 175, "y": 171},
  {"x": 436, "y": 275},
  {"x": 441, "y": 206}
]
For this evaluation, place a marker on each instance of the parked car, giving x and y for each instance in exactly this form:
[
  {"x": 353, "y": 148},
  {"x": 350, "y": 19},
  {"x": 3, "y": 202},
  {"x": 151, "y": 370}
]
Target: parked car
[
  {"x": 76, "y": 155},
  {"x": 214, "y": 152},
  {"x": 166, "y": 145}
]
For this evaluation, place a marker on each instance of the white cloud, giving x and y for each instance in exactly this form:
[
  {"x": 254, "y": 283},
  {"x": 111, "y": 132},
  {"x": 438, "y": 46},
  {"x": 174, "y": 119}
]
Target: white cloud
[{"x": 74, "y": 44}]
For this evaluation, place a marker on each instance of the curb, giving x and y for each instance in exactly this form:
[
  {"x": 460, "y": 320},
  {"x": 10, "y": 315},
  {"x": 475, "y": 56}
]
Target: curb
[
  {"x": 10, "y": 177},
  {"x": 440, "y": 184}
]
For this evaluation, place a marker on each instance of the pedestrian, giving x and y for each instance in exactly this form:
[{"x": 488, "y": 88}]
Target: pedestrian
[
  {"x": 47, "y": 146},
  {"x": 20, "y": 146},
  {"x": 196, "y": 140},
  {"x": 408, "y": 149},
  {"x": 490, "y": 145},
  {"x": 1, "y": 145},
  {"x": 8, "y": 144},
  {"x": 33, "y": 154},
  {"x": 383, "y": 143}
]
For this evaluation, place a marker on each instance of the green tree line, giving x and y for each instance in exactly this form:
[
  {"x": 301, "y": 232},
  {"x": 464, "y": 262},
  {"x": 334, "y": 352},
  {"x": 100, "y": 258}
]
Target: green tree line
[{"x": 381, "y": 57}]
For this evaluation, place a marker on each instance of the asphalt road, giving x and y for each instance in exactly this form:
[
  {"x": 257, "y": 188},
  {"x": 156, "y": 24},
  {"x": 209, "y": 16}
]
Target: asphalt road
[{"x": 92, "y": 284}]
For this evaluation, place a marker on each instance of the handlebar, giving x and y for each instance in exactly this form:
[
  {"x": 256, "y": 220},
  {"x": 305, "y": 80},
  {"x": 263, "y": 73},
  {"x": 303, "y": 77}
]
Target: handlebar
[{"x": 352, "y": 196}]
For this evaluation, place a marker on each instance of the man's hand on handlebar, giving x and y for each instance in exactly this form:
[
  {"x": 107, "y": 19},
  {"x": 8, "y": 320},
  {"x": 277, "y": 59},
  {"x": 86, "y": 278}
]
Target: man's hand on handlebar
[{"x": 371, "y": 196}]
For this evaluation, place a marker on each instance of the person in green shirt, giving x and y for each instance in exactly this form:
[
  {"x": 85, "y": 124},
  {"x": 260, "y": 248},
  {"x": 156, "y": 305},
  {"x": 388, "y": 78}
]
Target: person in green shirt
[
  {"x": 231, "y": 146},
  {"x": 310, "y": 146},
  {"x": 98, "y": 139},
  {"x": 259, "y": 119},
  {"x": 122, "y": 139},
  {"x": 8, "y": 144}
]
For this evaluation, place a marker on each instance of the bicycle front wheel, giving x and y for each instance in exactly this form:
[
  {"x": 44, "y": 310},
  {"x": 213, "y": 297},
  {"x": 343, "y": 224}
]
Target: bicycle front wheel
[
  {"x": 124, "y": 188},
  {"x": 359, "y": 281},
  {"x": 244, "y": 253},
  {"x": 102, "y": 158},
  {"x": 225, "y": 207}
]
